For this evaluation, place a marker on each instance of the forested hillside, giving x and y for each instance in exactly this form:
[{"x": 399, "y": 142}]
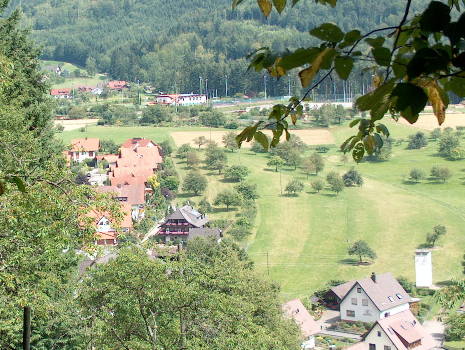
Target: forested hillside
[{"x": 171, "y": 43}]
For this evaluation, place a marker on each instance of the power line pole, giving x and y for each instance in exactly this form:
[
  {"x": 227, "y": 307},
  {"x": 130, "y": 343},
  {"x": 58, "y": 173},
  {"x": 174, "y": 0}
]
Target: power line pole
[
  {"x": 226, "y": 85},
  {"x": 26, "y": 328},
  {"x": 264, "y": 82},
  {"x": 267, "y": 264}
]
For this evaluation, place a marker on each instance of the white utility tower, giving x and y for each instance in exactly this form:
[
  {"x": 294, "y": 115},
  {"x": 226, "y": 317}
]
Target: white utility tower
[{"x": 423, "y": 268}]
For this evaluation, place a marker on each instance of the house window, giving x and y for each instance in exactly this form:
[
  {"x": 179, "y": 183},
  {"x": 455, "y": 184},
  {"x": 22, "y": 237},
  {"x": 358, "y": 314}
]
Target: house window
[
  {"x": 372, "y": 347},
  {"x": 399, "y": 296},
  {"x": 379, "y": 333},
  {"x": 391, "y": 299},
  {"x": 386, "y": 314},
  {"x": 359, "y": 290},
  {"x": 365, "y": 302},
  {"x": 353, "y": 301},
  {"x": 350, "y": 313},
  {"x": 387, "y": 347}
]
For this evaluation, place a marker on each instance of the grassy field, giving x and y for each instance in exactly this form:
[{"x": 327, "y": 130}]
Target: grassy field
[{"x": 301, "y": 242}]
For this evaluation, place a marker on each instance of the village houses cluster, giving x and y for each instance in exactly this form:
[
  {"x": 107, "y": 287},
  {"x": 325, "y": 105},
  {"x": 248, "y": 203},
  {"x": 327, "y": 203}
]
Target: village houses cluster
[
  {"x": 127, "y": 181},
  {"x": 378, "y": 300}
]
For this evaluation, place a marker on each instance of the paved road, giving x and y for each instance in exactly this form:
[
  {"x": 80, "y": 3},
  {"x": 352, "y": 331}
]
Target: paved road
[{"x": 436, "y": 329}]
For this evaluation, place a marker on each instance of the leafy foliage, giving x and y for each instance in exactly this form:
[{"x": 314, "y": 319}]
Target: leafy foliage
[
  {"x": 195, "y": 183},
  {"x": 352, "y": 178},
  {"x": 417, "y": 141},
  {"x": 294, "y": 187},
  {"x": 362, "y": 250},
  {"x": 236, "y": 173},
  {"x": 227, "y": 198}
]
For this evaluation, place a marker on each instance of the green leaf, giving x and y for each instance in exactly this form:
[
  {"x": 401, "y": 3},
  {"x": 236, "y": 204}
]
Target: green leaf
[
  {"x": 265, "y": 6},
  {"x": 332, "y": 3},
  {"x": 369, "y": 143},
  {"x": 409, "y": 100},
  {"x": 236, "y": 3},
  {"x": 456, "y": 85},
  {"x": 350, "y": 38},
  {"x": 307, "y": 75},
  {"x": 354, "y": 122},
  {"x": 378, "y": 141},
  {"x": 375, "y": 42},
  {"x": 382, "y": 55},
  {"x": 382, "y": 129},
  {"x": 19, "y": 183},
  {"x": 344, "y": 147},
  {"x": 343, "y": 65},
  {"x": 377, "y": 101},
  {"x": 358, "y": 152},
  {"x": 262, "y": 139},
  {"x": 427, "y": 61},
  {"x": 298, "y": 58},
  {"x": 328, "y": 32},
  {"x": 435, "y": 17},
  {"x": 279, "y": 5}
]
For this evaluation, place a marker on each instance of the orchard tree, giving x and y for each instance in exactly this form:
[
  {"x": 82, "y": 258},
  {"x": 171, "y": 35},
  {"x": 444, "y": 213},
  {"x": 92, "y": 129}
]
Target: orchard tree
[
  {"x": 195, "y": 183},
  {"x": 416, "y": 175},
  {"x": 236, "y": 173},
  {"x": 294, "y": 187},
  {"x": 200, "y": 141},
  {"x": 229, "y": 141},
  {"x": 416, "y": 62},
  {"x": 362, "y": 250},
  {"x": 166, "y": 148},
  {"x": 352, "y": 178},
  {"x": 417, "y": 141},
  {"x": 215, "y": 158},
  {"x": 318, "y": 185},
  {"x": 276, "y": 162},
  {"x": 227, "y": 198},
  {"x": 192, "y": 159},
  {"x": 205, "y": 206},
  {"x": 441, "y": 173},
  {"x": 247, "y": 191},
  {"x": 448, "y": 143},
  {"x": 438, "y": 231},
  {"x": 108, "y": 146},
  {"x": 183, "y": 150},
  {"x": 335, "y": 182}
]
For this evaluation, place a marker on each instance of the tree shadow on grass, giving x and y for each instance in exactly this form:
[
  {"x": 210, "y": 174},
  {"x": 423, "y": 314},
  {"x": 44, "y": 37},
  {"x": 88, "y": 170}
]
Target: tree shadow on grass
[
  {"x": 223, "y": 210},
  {"x": 410, "y": 182},
  {"x": 186, "y": 195},
  {"x": 228, "y": 181},
  {"x": 349, "y": 261},
  {"x": 424, "y": 246},
  {"x": 329, "y": 194}
]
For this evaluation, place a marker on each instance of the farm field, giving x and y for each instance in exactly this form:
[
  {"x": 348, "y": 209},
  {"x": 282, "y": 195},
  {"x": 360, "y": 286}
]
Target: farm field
[
  {"x": 75, "y": 124},
  {"x": 428, "y": 121},
  {"x": 310, "y": 136},
  {"x": 301, "y": 242}
]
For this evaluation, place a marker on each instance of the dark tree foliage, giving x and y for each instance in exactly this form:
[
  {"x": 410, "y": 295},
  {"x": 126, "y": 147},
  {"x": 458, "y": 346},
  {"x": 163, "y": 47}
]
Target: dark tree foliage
[
  {"x": 417, "y": 141},
  {"x": 352, "y": 178}
]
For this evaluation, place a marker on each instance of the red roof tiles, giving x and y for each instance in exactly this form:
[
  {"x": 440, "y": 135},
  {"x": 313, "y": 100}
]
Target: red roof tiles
[{"x": 85, "y": 145}]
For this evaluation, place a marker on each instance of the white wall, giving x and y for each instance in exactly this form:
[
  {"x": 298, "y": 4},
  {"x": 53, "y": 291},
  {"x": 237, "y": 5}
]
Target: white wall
[
  {"x": 369, "y": 313},
  {"x": 379, "y": 341},
  {"x": 394, "y": 310},
  {"x": 423, "y": 269}
]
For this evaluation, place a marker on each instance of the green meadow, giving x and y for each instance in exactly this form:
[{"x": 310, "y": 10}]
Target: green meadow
[{"x": 301, "y": 242}]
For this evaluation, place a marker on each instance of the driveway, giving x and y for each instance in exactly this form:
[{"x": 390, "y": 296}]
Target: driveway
[{"x": 436, "y": 329}]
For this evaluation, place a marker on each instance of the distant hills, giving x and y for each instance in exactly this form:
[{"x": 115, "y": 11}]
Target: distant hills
[{"x": 177, "y": 44}]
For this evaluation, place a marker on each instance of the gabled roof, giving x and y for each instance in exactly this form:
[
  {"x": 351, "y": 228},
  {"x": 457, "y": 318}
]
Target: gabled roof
[
  {"x": 204, "y": 232},
  {"x": 134, "y": 193},
  {"x": 385, "y": 293},
  {"x": 404, "y": 329},
  {"x": 296, "y": 310},
  {"x": 189, "y": 214},
  {"x": 85, "y": 145},
  {"x": 126, "y": 220},
  {"x": 342, "y": 289},
  {"x": 117, "y": 84},
  {"x": 137, "y": 142},
  {"x": 110, "y": 158}
]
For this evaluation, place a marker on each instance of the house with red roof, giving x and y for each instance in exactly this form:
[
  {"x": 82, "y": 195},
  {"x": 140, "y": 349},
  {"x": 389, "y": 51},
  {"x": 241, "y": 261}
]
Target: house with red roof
[
  {"x": 296, "y": 311},
  {"x": 117, "y": 85},
  {"x": 61, "y": 93},
  {"x": 133, "y": 195},
  {"x": 106, "y": 229},
  {"x": 82, "y": 149},
  {"x": 401, "y": 331}
]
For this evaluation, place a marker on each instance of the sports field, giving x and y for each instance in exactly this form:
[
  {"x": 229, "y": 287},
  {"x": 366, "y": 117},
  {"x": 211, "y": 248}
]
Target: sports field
[{"x": 301, "y": 242}]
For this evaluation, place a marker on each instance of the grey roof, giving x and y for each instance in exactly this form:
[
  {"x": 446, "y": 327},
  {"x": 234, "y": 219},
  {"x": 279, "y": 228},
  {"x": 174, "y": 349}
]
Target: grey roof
[
  {"x": 204, "y": 232},
  {"x": 342, "y": 289},
  {"x": 190, "y": 215},
  {"x": 385, "y": 293}
]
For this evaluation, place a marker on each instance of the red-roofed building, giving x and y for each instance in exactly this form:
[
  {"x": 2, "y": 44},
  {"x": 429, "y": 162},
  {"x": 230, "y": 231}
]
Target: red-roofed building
[
  {"x": 117, "y": 85},
  {"x": 295, "y": 310},
  {"x": 133, "y": 195},
  {"x": 82, "y": 149},
  {"x": 61, "y": 93}
]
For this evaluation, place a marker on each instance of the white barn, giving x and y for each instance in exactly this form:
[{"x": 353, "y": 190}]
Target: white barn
[{"x": 181, "y": 99}]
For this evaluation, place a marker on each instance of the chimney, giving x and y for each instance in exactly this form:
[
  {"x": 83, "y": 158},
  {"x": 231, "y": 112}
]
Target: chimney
[{"x": 373, "y": 277}]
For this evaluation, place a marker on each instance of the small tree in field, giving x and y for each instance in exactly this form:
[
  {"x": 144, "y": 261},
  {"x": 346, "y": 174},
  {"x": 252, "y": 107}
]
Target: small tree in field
[
  {"x": 294, "y": 186},
  {"x": 362, "y": 250},
  {"x": 417, "y": 141},
  {"x": 192, "y": 159},
  {"x": 205, "y": 206},
  {"x": 183, "y": 150},
  {"x": 352, "y": 178},
  {"x": 438, "y": 231},
  {"x": 200, "y": 141},
  {"x": 276, "y": 162},
  {"x": 229, "y": 141},
  {"x": 441, "y": 173},
  {"x": 195, "y": 183},
  {"x": 247, "y": 191},
  {"x": 228, "y": 199},
  {"x": 318, "y": 185},
  {"x": 236, "y": 173},
  {"x": 416, "y": 175},
  {"x": 335, "y": 182}
]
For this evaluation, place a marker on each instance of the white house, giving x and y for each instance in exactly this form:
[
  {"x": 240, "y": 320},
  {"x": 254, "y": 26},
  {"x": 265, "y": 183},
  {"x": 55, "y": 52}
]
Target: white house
[
  {"x": 82, "y": 149},
  {"x": 374, "y": 298},
  {"x": 181, "y": 99},
  {"x": 401, "y": 331},
  {"x": 295, "y": 310}
]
